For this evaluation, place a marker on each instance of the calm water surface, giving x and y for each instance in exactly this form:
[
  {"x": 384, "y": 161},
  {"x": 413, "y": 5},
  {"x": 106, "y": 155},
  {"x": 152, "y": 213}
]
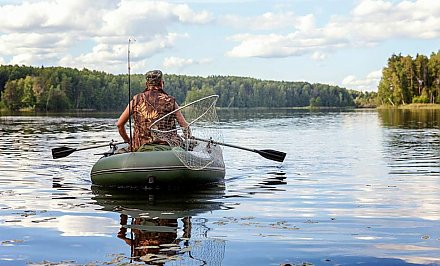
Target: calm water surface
[{"x": 358, "y": 187}]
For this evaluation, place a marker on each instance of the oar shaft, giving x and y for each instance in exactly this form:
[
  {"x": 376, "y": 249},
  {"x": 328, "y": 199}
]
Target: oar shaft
[
  {"x": 268, "y": 154},
  {"x": 225, "y": 144},
  {"x": 66, "y": 151},
  {"x": 98, "y": 146}
]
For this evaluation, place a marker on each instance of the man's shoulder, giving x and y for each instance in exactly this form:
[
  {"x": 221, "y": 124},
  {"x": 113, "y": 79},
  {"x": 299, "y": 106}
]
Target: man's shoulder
[
  {"x": 148, "y": 94},
  {"x": 137, "y": 96}
]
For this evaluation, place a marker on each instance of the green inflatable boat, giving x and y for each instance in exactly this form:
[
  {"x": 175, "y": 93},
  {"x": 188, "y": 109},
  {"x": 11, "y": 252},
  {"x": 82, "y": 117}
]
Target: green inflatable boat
[{"x": 155, "y": 169}]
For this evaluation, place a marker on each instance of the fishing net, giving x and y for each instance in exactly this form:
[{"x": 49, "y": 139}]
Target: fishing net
[{"x": 193, "y": 145}]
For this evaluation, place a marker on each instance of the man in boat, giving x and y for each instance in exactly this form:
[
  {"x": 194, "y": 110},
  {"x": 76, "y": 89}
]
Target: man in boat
[{"x": 147, "y": 107}]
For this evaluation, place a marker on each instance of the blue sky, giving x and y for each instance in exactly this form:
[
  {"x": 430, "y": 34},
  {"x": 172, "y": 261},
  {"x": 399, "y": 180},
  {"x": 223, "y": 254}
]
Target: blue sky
[{"x": 338, "y": 42}]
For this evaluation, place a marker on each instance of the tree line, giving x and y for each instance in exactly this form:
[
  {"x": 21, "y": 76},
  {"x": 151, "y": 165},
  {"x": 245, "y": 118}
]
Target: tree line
[
  {"x": 410, "y": 80},
  {"x": 60, "y": 88}
]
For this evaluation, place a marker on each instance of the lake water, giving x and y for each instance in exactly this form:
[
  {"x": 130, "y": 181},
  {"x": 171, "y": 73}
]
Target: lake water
[{"x": 356, "y": 187}]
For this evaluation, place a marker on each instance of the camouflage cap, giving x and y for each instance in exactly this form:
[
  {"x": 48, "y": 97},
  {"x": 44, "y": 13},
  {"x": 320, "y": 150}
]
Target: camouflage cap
[{"x": 153, "y": 77}]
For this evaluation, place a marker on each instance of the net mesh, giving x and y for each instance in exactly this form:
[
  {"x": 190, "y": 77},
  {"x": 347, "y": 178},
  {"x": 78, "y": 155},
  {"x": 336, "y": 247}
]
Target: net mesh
[{"x": 202, "y": 120}]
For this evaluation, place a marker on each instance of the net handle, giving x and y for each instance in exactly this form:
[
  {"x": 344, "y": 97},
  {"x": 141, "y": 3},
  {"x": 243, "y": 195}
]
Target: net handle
[{"x": 186, "y": 105}]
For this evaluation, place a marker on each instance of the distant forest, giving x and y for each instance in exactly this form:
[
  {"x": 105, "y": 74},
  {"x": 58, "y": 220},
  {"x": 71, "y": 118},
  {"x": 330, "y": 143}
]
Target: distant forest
[
  {"x": 410, "y": 80},
  {"x": 59, "y": 89}
]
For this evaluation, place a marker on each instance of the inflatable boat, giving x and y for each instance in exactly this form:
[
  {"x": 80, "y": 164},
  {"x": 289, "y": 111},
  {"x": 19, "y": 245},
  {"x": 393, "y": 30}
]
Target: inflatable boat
[{"x": 153, "y": 169}]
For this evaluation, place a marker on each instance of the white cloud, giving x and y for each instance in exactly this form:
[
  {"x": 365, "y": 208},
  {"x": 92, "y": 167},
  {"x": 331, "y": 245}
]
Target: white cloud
[
  {"x": 306, "y": 37},
  {"x": 371, "y": 8},
  {"x": 115, "y": 55},
  {"x": 186, "y": 15},
  {"x": 380, "y": 20},
  {"x": 370, "y": 22},
  {"x": 35, "y": 32},
  {"x": 276, "y": 45},
  {"x": 270, "y": 21},
  {"x": 319, "y": 56},
  {"x": 177, "y": 62},
  {"x": 180, "y": 63},
  {"x": 30, "y": 48},
  {"x": 144, "y": 18},
  {"x": 369, "y": 83},
  {"x": 147, "y": 46},
  {"x": 59, "y": 15},
  {"x": 32, "y": 41}
]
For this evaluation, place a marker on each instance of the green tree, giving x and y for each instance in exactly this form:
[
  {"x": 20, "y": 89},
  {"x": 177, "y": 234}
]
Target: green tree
[
  {"x": 12, "y": 95},
  {"x": 434, "y": 75},
  {"x": 421, "y": 69},
  {"x": 57, "y": 100},
  {"x": 196, "y": 94},
  {"x": 385, "y": 87}
]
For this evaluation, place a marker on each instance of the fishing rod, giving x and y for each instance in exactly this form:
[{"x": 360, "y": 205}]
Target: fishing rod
[{"x": 129, "y": 91}]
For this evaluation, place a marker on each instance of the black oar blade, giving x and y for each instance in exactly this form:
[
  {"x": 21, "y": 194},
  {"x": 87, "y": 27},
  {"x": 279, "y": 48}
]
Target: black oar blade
[
  {"x": 61, "y": 152},
  {"x": 268, "y": 154},
  {"x": 272, "y": 155}
]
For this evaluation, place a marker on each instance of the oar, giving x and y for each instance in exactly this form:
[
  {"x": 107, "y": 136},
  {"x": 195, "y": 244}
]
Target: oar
[
  {"x": 64, "y": 151},
  {"x": 268, "y": 154}
]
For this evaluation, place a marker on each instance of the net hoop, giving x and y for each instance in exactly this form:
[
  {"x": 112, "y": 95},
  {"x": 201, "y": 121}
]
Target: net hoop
[{"x": 202, "y": 120}]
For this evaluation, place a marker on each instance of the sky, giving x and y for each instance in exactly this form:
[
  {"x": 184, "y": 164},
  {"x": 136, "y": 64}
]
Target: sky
[{"x": 338, "y": 42}]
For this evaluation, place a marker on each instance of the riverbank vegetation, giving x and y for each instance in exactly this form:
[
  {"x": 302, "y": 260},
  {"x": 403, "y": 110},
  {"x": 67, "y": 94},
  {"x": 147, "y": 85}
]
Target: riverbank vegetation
[
  {"x": 407, "y": 80},
  {"x": 59, "y": 88}
]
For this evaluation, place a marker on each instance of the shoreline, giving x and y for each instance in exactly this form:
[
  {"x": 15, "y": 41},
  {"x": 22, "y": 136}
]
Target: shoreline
[{"x": 413, "y": 106}]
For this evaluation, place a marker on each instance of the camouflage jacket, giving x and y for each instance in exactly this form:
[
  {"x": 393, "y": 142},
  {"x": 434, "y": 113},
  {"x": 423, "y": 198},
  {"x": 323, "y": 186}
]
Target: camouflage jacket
[{"x": 148, "y": 107}]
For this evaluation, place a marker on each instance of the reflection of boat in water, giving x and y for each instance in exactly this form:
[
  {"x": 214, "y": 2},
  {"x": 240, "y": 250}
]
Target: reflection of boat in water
[
  {"x": 159, "y": 203},
  {"x": 159, "y": 225}
]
